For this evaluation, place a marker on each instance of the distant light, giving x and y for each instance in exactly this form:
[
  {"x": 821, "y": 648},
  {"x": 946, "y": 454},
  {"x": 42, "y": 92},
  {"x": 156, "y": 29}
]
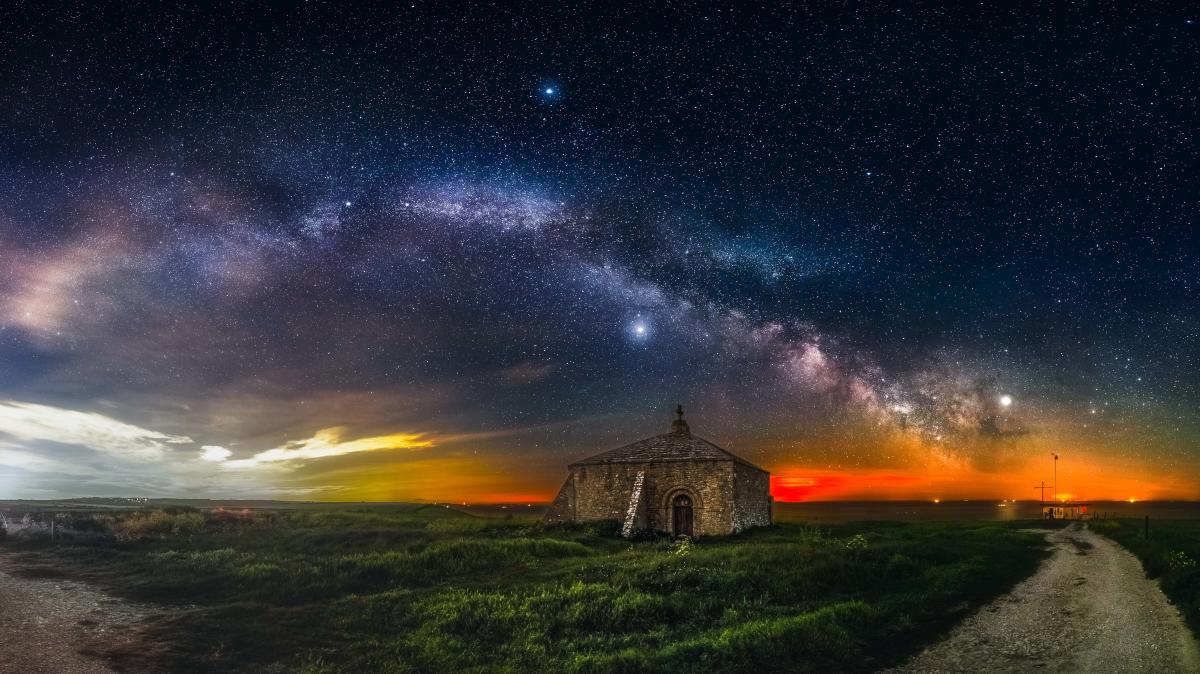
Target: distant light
[
  {"x": 348, "y": 204},
  {"x": 1133, "y": 500},
  {"x": 937, "y": 500},
  {"x": 1006, "y": 400},
  {"x": 549, "y": 91}
]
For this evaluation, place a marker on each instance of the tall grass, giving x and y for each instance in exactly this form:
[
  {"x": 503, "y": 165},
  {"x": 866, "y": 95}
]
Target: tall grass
[{"x": 437, "y": 590}]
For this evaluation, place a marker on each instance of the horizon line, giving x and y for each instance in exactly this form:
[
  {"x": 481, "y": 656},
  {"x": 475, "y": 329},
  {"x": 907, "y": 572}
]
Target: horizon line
[{"x": 530, "y": 503}]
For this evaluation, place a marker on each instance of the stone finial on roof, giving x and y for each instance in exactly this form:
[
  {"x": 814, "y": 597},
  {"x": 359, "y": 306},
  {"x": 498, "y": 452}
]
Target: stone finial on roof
[{"x": 679, "y": 426}]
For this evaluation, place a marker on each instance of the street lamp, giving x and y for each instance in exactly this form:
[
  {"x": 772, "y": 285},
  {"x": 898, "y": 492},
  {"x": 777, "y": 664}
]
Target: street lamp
[{"x": 1055, "y": 475}]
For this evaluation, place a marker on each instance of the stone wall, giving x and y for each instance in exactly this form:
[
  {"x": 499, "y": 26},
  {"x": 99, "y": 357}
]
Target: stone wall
[
  {"x": 751, "y": 498},
  {"x": 602, "y": 492},
  {"x": 562, "y": 509}
]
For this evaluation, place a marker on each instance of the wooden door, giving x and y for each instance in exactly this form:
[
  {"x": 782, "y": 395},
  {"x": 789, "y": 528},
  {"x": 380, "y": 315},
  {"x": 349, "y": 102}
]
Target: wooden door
[{"x": 681, "y": 509}]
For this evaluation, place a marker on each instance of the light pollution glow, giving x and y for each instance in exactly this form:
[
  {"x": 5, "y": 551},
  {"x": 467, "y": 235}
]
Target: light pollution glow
[{"x": 332, "y": 465}]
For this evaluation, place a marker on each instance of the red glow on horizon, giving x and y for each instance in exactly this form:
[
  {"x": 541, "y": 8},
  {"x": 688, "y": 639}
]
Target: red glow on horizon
[
  {"x": 822, "y": 486},
  {"x": 1092, "y": 480}
]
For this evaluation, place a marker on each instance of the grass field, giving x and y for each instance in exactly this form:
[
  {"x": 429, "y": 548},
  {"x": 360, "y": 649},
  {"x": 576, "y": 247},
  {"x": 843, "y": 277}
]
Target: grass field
[
  {"x": 1169, "y": 554},
  {"x": 433, "y": 589}
]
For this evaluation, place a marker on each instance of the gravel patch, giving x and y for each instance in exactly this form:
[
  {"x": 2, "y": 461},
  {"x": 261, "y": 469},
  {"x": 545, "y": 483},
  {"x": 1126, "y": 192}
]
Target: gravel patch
[
  {"x": 49, "y": 625},
  {"x": 1089, "y": 608}
]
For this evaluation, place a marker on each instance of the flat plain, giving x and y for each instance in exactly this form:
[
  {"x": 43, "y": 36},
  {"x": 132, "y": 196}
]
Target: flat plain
[{"x": 435, "y": 589}]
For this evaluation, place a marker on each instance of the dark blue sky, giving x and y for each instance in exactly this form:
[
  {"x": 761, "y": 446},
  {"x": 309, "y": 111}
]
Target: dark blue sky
[{"x": 839, "y": 235}]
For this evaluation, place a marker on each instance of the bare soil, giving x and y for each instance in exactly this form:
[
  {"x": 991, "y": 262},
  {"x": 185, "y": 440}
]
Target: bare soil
[
  {"x": 1089, "y": 608},
  {"x": 56, "y": 626}
]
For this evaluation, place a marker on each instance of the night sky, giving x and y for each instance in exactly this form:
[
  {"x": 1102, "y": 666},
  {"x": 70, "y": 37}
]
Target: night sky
[{"x": 438, "y": 251}]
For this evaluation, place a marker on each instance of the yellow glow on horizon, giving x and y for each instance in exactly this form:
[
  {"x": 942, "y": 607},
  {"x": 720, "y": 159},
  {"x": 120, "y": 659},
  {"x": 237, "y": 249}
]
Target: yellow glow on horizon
[
  {"x": 440, "y": 479},
  {"x": 464, "y": 468},
  {"x": 328, "y": 443}
]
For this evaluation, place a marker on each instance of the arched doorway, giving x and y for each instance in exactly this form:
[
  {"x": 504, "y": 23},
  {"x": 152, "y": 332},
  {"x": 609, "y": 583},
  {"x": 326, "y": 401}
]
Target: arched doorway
[{"x": 681, "y": 515}]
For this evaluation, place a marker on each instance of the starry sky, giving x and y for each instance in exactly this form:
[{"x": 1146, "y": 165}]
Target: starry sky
[{"x": 437, "y": 251}]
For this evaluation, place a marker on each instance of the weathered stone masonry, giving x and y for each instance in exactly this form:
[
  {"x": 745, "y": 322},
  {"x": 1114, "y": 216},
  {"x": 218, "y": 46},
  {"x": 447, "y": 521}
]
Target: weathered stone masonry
[{"x": 686, "y": 480}]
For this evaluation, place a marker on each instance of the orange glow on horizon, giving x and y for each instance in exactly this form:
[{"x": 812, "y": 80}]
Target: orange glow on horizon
[
  {"x": 459, "y": 480},
  {"x": 1096, "y": 481},
  {"x": 454, "y": 469}
]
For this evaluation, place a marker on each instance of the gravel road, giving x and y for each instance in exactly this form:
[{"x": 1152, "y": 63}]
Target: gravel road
[
  {"x": 45, "y": 624},
  {"x": 1089, "y": 608}
]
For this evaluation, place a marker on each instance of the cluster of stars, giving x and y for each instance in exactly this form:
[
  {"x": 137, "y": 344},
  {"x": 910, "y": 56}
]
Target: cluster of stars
[{"x": 857, "y": 244}]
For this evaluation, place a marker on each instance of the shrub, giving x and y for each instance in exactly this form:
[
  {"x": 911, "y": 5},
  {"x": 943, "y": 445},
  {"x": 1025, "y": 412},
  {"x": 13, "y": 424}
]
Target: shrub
[
  {"x": 856, "y": 542},
  {"x": 682, "y": 547},
  {"x": 156, "y": 524},
  {"x": 1180, "y": 560}
]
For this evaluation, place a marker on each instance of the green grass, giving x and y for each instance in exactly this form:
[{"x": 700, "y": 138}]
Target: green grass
[
  {"x": 436, "y": 590},
  {"x": 1171, "y": 554}
]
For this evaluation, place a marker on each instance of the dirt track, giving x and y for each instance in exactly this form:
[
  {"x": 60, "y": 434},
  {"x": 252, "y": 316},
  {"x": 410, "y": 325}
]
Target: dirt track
[
  {"x": 45, "y": 624},
  {"x": 1089, "y": 608}
]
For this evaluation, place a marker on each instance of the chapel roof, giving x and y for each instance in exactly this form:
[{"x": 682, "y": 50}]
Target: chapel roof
[{"x": 678, "y": 445}]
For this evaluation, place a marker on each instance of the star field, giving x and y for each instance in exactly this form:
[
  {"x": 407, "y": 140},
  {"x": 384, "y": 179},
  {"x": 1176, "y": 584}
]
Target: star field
[{"x": 421, "y": 253}]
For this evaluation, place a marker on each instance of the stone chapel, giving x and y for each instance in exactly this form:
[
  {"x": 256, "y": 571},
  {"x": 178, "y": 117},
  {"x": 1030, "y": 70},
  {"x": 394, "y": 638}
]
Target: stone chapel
[{"x": 675, "y": 483}]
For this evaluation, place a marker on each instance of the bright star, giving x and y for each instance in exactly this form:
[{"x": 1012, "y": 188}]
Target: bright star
[
  {"x": 549, "y": 91},
  {"x": 1006, "y": 400}
]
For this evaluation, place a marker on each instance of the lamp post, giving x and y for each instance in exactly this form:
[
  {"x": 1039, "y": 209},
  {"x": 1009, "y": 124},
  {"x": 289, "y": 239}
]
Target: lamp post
[{"x": 1055, "y": 476}]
